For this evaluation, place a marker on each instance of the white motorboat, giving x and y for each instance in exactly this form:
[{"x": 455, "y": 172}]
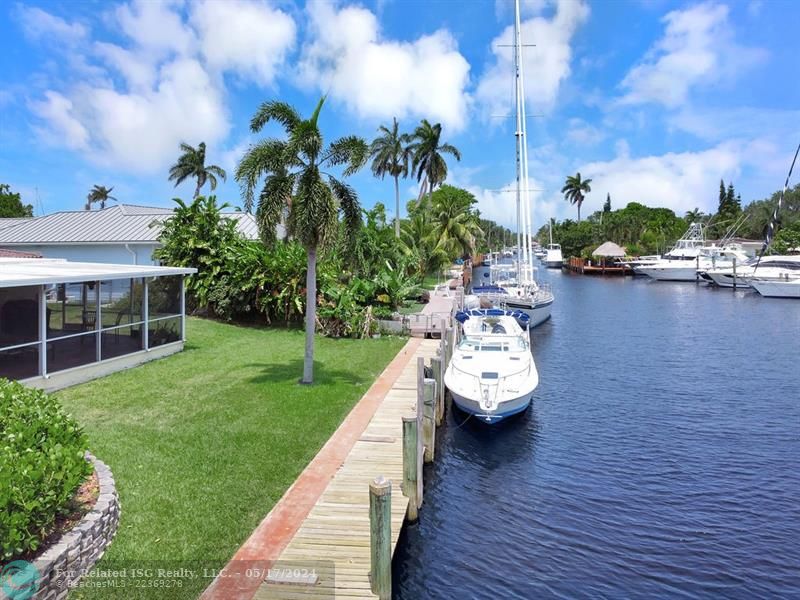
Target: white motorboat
[
  {"x": 768, "y": 267},
  {"x": 689, "y": 256},
  {"x": 789, "y": 287},
  {"x": 709, "y": 257},
  {"x": 492, "y": 374},
  {"x": 553, "y": 259}
]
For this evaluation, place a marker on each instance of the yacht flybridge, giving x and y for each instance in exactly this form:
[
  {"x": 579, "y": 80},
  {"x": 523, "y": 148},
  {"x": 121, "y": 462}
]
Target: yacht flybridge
[{"x": 492, "y": 374}]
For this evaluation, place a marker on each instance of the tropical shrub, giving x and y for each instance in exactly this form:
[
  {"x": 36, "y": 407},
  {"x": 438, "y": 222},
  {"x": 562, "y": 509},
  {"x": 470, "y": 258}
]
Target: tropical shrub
[
  {"x": 197, "y": 235},
  {"x": 42, "y": 464}
]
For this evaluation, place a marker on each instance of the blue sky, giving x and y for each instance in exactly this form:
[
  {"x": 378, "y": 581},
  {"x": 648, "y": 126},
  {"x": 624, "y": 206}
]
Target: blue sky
[{"x": 654, "y": 100}]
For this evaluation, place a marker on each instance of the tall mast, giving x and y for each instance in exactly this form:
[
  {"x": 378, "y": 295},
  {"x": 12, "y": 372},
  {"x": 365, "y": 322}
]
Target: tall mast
[
  {"x": 523, "y": 187},
  {"x": 517, "y": 136}
]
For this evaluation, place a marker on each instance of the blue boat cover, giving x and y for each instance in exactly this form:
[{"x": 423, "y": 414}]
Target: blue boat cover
[
  {"x": 521, "y": 317},
  {"x": 488, "y": 289}
]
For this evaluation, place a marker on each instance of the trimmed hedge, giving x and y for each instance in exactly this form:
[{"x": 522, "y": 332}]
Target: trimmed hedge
[{"x": 42, "y": 464}]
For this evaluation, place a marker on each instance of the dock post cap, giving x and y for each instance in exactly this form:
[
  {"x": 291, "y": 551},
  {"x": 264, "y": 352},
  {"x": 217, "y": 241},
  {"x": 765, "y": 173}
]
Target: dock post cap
[{"x": 381, "y": 486}]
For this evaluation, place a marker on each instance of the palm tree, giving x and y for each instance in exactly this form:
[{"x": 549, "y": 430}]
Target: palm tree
[
  {"x": 390, "y": 154},
  {"x": 298, "y": 191},
  {"x": 694, "y": 216},
  {"x": 101, "y": 194},
  {"x": 575, "y": 190},
  {"x": 426, "y": 156},
  {"x": 456, "y": 226},
  {"x": 192, "y": 163}
]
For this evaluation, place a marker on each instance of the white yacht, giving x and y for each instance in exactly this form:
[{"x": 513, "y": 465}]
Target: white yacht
[
  {"x": 789, "y": 287},
  {"x": 709, "y": 257},
  {"x": 492, "y": 374},
  {"x": 681, "y": 262},
  {"x": 768, "y": 267},
  {"x": 553, "y": 259}
]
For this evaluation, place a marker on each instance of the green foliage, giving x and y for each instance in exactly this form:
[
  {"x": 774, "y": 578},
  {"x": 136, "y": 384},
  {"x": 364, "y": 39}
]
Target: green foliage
[
  {"x": 575, "y": 190},
  {"x": 192, "y": 163},
  {"x": 760, "y": 212},
  {"x": 390, "y": 153},
  {"x": 787, "y": 238},
  {"x": 607, "y": 204},
  {"x": 636, "y": 227},
  {"x": 427, "y": 160},
  {"x": 99, "y": 194},
  {"x": 42, "y": 456},
  {"x": 728, "y": 211},
  {"x": 11, "y": 204},
  {"x": 197, "y": 235}
]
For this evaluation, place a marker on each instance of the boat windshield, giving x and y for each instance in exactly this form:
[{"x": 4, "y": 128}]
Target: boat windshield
[{"x": 494, "y": 343}]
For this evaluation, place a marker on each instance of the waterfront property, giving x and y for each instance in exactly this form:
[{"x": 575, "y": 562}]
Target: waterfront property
[
  {"x": 123, "y": 233},
  {"x": 203, "y": 443},
  {"x": 63, "y": 322}
]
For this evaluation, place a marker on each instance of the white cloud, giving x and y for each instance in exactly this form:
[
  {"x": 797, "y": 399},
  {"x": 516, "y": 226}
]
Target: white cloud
[
  {"x": 680, "y": 181},
  {"x": 38, "y": 24},
  {"x": 164, "y": 84},
  {"x": 546, "y": 66},
  {"x": 156, "y": 26},
  {"x": 697, "y": 49},
  {"x": 142, "y": 131},
  {"x": 65, "y": 128},
  {"x": 377, "y": 78},
  {"x": 247, "y": 37},
  {"x": 584, "y": 134}
]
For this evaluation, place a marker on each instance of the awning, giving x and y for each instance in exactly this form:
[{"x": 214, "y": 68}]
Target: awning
[{"x": 44, "y": 271}]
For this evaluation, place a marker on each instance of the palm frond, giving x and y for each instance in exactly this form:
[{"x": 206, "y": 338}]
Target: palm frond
[
  {"x": 274, "y": 110},
  {"x": 351, "y": 151},
  {"x": 267, "y": 156},
  {"x": 275, "y": 198}
]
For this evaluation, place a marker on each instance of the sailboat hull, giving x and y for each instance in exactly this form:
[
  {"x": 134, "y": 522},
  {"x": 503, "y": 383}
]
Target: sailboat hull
[{"x": 539, "y": 312}]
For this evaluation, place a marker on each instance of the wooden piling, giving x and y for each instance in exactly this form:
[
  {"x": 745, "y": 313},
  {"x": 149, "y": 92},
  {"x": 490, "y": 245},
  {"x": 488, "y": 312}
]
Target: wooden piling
[
  {"x": 734, "y": 273},
  {"x": 438, "y": 376},
  {"x": 411, "y": 468},
  {"x": 380, "y": 537},
  {"x": 420, "y": 386},
  {"x": 429, "y": 419}
]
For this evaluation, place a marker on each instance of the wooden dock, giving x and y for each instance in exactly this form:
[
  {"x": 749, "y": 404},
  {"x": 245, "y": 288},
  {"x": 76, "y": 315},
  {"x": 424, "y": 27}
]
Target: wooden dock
[
  {"x": 329, "y": 530},
  {"x": 579, "y": 265},
  {"x": 334, "y": 539}
]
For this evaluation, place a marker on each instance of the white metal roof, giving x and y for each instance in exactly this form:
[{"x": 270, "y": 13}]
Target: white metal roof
[
  {"x": 42, "y": 271},
  {"x": 121, "y": 223},
  {"x": 12, "y": 221}
]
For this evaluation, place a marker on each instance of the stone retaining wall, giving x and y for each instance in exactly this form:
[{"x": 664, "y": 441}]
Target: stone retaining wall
[{"x": 62, "y": 565}]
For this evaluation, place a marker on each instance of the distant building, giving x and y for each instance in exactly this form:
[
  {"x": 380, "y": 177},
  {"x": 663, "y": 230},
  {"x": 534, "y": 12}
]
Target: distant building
[{"x": 122, "y": 234}]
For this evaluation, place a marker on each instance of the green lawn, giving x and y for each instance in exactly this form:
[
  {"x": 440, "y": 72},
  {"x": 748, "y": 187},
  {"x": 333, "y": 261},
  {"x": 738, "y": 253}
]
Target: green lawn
[
  {"x": 429, "y": 281},
  {"x": 410, "y": 308},
  {"x": 203, "y": 443}
]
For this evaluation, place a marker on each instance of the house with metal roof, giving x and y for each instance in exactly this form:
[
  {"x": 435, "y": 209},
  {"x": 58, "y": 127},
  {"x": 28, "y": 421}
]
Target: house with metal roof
[
  {"x": 122, "y": 234},
  {"x": 63, "y": 322}
]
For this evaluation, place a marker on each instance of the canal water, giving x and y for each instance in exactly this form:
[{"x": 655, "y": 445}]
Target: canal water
[{"x": 660, "y": 457}]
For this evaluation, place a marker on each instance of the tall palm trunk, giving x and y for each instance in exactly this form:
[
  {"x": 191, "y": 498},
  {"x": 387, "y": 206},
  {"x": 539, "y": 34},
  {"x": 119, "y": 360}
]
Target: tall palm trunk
[
  {"x": 197, "y": 189},
  {"x": 580, "y": 201},
  {"x": 396, "y": 206},
  {"x": 311, "y": 315}
]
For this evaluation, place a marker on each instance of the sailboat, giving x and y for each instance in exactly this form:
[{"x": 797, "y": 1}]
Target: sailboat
[{"x": 521, "y": 291}]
